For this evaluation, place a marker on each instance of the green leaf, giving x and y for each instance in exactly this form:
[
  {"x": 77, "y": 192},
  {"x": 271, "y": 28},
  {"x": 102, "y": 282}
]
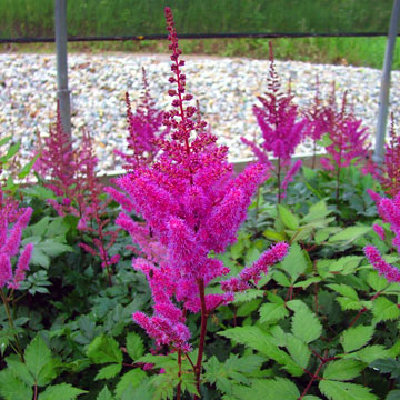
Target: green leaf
[
  {"x": 11, "y": 152},
  {"x": 21, "y": 371},
  {"x": 305, "y": 325},
  {"x": 11, "y": 388},
  {"x": 305, "y": 284},
  {"x": 111, "y": 371},
  {"x": 377, "y": 282},
  {"x": 295, "y": 262},
  {"x": 288, "y": 219},
  {"x": 317, "y": 211},
  {"x": 384, "y": 310},
  {"x": 343, "y": 370},
  {"x": 248, "y": 295},
  {"x": 298, "y": 350},
  {"x": 131, "y": 378},
  {"x": 62, "y": 391},
  {"x": 268, "y": 389},
  {"x": 273, "y": 235},
  {"x": 350, "y": 234},
  {"x": 371, "y": 353},
  {"x": 355, "y": 338},
  {"x": 335, "y": 390},
  {"x": 272, "y": 312},
  {"x": 104, "y": 349},
  {"x": 26, "y": 169},
  {"x": 344, "y": 290},
  {"x": 393, "y": 395},
  {"x": 37, "y": 355},
  {"x": 105, "y": 394},
  {"x": 256, "y": 339},
  {"x": 134, "y": 345},
  {"x": 5, "y": 140}
]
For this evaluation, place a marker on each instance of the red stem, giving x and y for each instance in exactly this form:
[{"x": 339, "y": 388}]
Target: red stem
[{"x": 355, "y": 319}]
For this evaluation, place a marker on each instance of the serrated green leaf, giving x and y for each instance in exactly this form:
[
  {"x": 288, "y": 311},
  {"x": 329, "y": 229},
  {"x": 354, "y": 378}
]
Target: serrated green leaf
[
  {"x": 256, "y": 339},
  {"x": 371, "y": 353},
  {"x": 355, "y": 338},
  {"x": 305, "y": 284},
  {"x": 11, "y": 388},
  {"x": 305, "y": 325},
  {"x": 268, "y": 389},
  {"x": 62, "y": 391},
  {"x": 248, "y": 295},
  {"x": 295, "y": 262},
  {"x": 344, "y": 290},
  {"x": 134, "y": 345},
  {"x": 131, "y": 378},
  {"x": 288, "y": 218},
  {"x": 280, "y": 277},
  {"x": 37, "y": 355},
  {"x": 384, "y": 310},
  {"x": 272, "y": 312},
  {"x": 111, "y": 371},
  {"x": 21, "y": 371},
  {"x": 335, "y": 390},
  {"x": 377, "y": 282},
  {"x": 104, "y": 349},
  {"x": 349, "y": 234},
  {"x": 343, "y": 370},
  {"x": 298, "y": 350},
  {"x": 317, "y": 211},
  {"x": 273, "y": 235},
  {"x": 105, "y": 394}
]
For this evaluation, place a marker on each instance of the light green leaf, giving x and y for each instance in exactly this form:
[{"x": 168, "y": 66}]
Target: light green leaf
[
  {"x": 21, "y": 371},
  {"x": 344, "y": 290},
  {"x": 111, "y": 371},
  {"x": 134, "y": 345},
  {"x": 298, "y": 350},
  {"x": 295, "y": 262},
  {"x": 37, "y": 355},
  {"x": 350, "y": 234},
  {"x": 273, "y": 235},
  {"x": 268, "y": 389},
  {"x": 104, "y": 349},
  {"x": 371, "y": 353},
  {"x": 383, "y": 310},
  {"x": 248, "y": 295},
  {"x": 288, "y": 218},
  {"x": 11, "y": 388},
  {"x": 305, "y": 284},
  {"x": 131, "y": 378},
  {"x": 105, "y": 394},
  {"x": 377, "y": 282},
  {"x": 335, "y": 390},
  {"x": 355, "y": 338},
  {"x": 62, "y": 391},
  {"x": 343, "y": 370},
  {"x": 305, "y": 325},
  {"x": 272, "y": 312},
  {"x": 317, "y": 211}
]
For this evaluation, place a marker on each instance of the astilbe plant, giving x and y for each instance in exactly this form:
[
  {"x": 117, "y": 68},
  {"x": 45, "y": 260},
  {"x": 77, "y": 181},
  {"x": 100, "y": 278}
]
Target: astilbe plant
[
  {"x": 193, "y": 207},
  {"x": 145, "y": 128},
  {"x": 281, "y": 129},
  {"x": 13, "y": 220},
  {"x": 389, "y": 210},
  {"x": 79, "y": 191},
  {"x": 390, "y": 169},
  {"x": 348, "y": 139}
]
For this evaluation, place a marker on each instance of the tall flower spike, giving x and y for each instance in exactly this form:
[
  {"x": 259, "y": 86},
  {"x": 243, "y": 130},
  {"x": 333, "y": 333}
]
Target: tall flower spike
[
  {"x": 281, "y": 129},
  {"x": 192, "y": 205}
]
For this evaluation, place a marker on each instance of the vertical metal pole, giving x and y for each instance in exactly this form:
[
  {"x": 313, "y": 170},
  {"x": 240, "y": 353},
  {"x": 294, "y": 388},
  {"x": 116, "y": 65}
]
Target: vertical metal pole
[
  {"x": 62, "y": 64},
  {"x": 385, "y": 83}
]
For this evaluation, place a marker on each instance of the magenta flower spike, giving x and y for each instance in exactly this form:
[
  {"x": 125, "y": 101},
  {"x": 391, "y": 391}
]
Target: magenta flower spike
[
  {"x": 13, "y": 222},
  {"x": 281, "y": 129},
  {"x": 145, "y": 129},
  {"x": 193, "y": 206}
]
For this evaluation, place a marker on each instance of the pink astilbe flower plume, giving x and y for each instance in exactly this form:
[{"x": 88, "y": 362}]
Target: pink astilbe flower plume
[
  {"x": 390, "y": 169},
  {"x": 79, "y": 191},
  {"x": 13, "y": 222},
  {"x": 193, "y": 205},
  {"x": 392, "y": 274},
  {"x": 282, "y": 130},
  {"x": 145, "y": 129}
]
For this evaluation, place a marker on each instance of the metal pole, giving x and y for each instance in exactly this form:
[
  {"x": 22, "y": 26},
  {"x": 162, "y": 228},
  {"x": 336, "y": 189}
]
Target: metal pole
[
  {"x": 62, "y": 64},
  {"x": 385, "y": 83}
]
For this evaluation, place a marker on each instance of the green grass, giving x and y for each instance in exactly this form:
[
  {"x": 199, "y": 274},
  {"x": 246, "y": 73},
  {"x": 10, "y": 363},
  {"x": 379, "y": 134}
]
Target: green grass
[{"x": 23, "y": 18}]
